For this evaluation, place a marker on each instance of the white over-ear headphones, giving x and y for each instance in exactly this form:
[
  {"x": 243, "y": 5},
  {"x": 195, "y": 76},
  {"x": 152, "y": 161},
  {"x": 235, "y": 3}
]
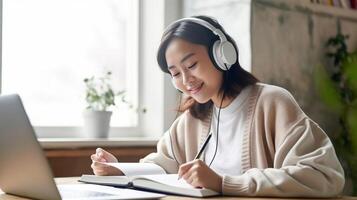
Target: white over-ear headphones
[{"x": 223, "y": 51}]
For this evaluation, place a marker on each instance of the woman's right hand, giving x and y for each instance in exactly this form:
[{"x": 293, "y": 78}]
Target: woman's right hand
[{"x": 98, "y": 163}]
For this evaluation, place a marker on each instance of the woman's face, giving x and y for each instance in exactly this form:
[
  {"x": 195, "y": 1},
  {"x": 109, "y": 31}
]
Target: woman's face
[{"x": 193, "y": 72}]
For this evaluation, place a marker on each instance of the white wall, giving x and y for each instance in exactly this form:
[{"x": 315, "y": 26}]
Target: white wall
[
  {"x": 158, "y": 94},
  {"x": 0, "y": 42}
]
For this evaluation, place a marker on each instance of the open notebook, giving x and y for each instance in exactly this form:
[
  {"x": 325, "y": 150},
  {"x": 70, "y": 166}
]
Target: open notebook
[{"x": 148, "y": 177}]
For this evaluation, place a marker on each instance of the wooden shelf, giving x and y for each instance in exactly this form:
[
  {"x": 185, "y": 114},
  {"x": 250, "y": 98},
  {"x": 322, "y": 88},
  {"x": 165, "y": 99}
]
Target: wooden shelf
[
  {"x": 75, "y": 162},
  {"x": 71, "y": 156}
]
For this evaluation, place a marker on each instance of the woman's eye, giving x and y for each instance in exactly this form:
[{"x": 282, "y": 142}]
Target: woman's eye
[
  {"x": 193, "y": 65},
  {"x": 175, "y": 74}
]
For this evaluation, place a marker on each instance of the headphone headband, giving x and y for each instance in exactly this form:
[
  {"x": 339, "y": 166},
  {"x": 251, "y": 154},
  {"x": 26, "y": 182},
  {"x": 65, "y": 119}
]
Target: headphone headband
[
  {"x": 204, "y": 23},
  {"x": 223, "y": 52}
]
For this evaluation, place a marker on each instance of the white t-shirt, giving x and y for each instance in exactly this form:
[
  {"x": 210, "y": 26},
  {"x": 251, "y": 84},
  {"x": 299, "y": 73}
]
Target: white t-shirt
[{"x": 231, "y": 124}]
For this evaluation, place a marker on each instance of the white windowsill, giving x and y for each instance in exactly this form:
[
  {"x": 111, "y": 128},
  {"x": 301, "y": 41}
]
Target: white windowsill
[{"x": 68, "y": 143}]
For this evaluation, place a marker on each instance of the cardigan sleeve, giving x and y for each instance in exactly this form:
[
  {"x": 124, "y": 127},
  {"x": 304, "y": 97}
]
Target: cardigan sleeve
[{"x": 304, "y": 161}]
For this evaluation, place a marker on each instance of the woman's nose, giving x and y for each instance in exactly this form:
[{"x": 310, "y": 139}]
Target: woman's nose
[{"x": 187, "y": 78}]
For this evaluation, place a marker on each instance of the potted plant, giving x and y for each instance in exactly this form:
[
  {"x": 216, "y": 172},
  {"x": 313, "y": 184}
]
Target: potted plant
[{"x": 99, "y": 97}]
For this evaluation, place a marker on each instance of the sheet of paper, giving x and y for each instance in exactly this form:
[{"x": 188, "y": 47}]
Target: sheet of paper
[
  {"x": 118, "y": 193},
  {"x": 169, "y": 179},
  {"x": 132, "y": 169}
]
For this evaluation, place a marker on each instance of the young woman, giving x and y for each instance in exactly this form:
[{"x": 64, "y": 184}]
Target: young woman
[{"x": 262, "y": 143}]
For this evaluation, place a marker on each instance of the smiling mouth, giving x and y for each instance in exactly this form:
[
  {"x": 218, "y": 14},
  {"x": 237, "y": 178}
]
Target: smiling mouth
[{"x": 196, "y": 89}]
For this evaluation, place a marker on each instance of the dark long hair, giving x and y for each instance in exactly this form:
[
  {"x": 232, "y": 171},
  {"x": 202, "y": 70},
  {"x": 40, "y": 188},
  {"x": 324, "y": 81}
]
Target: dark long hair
[{"x": 234, "y": 80}]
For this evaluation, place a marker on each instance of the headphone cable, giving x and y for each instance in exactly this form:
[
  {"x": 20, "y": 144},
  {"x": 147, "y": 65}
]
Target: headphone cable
[{"x": 219, "y": 113}]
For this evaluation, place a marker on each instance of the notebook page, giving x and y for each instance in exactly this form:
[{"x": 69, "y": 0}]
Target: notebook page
[
  {"x": 169, "y": 179},
  {"x": 86, "y": 191},
  {"x": 106, "y": 180},
  {"x": 132, "y": 169},
  {"x": 168, "y": 183}
]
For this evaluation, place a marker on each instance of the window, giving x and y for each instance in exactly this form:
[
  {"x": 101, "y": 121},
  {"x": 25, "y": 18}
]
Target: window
[{"x": 50, "y": 46}]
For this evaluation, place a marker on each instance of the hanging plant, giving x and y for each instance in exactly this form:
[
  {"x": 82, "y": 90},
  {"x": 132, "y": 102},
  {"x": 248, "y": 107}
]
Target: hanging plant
[{"x": 337, "y": 86}]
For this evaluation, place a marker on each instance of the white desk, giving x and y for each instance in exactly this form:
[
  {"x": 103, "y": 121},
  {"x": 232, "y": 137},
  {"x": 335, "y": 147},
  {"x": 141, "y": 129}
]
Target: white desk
[{"x": 72, "y": 180}]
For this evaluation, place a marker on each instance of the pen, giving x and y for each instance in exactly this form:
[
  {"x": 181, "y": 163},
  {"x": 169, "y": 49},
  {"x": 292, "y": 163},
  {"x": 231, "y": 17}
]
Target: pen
[
  {"x": 203, "y": 147},
  {"x": 198, "y": 155}
]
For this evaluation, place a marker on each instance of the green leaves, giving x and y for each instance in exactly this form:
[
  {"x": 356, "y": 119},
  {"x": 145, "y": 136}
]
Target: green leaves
[
  {"x": 340, "y": 53},
  {"x": 352, "y": 124},
  {"x": 337, "y": 86},
  {"x": 349, "y": 67},
  {"x": 327, "y": 90},
  {"x": 99, "y": 92}
]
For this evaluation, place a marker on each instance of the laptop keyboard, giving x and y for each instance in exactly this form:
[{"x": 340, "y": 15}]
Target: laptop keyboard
[{"x": 68, "y": 193}]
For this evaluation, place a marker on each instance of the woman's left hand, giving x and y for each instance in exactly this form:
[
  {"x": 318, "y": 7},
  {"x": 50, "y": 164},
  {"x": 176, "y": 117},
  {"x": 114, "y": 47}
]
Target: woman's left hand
[{"x": 198, "y": 174}]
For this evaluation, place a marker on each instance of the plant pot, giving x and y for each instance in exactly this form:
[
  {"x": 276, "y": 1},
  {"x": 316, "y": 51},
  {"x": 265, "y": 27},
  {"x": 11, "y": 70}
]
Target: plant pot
[{"x": 96, "y": 123}]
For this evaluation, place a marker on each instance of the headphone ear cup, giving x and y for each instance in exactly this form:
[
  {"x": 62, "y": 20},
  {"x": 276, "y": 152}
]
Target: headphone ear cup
[
  {"x": 216, "y": 51},
  {"x": 224, "y": 54},
  {"x": 211, "y": 53},
  {"x": 228, "y": 53}
]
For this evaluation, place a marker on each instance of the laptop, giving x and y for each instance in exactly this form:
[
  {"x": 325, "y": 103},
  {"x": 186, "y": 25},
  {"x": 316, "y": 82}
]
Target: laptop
[{"x": 24, "y": 169}]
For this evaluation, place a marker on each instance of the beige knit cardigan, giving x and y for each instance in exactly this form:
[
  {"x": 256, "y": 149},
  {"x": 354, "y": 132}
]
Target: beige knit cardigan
[{"x": 284, "y": 153}]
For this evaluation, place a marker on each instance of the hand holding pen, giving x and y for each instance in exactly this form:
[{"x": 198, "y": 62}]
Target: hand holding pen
[
  {"x": 198, "y": 155},
  {"x": 198, "y": 174}
]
